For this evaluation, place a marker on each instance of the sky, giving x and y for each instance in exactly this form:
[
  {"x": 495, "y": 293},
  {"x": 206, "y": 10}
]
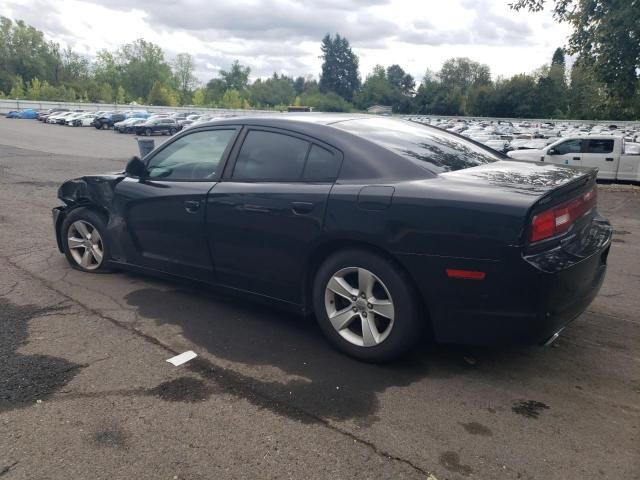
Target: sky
[{"x": 284, "y": 35}]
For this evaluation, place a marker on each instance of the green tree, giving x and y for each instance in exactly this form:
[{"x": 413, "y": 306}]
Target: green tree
[
  {"x": 120, "y": 95},
  {"x": 17, "y": 87},
  {"x": 401, "y": 80},
  {"x": 237, "y": 78},
  {"x": 34, "y": 90},
  {"x": 277, "y": 90},
  {"x": 376, "y": 90},
  {"x": 339, "y": 67},
  {"x": 105, "y": 93},
  {"x": 162, "y": 96},
  {"x": 606, "y": 35},
  {"x": 183, "y": 67},
  {"x": 232, "y": 99},
  {"x": 214, "y": 91},
  {"x": 142, "y": 65},
  {"x": 198, "y": 98}
]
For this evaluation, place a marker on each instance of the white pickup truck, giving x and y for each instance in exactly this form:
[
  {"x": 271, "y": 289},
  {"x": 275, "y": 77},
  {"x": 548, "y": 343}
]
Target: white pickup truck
[{"x": 615, "y": 159}]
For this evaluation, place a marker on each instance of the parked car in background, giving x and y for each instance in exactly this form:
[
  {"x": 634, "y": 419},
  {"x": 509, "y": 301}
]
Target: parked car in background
[
  {"x": 42, "y": 116},
  {"x": 107, "y": 120},
  {"x": 381, "y": 227},
  {"x": 128, "y": 125},
  {"x": 162, "y": 126},
  {"x": 58, "y": 118},
  {"x": 70, "y": 118},
  {"x": 604, "y": 152},
  {"x": 82, "y": 120}
]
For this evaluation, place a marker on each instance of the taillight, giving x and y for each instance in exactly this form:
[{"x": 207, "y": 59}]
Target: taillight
[{"x": 559, "y": 219}]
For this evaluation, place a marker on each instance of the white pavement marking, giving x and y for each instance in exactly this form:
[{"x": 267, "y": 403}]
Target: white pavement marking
[{"x": 182, "y": 358}]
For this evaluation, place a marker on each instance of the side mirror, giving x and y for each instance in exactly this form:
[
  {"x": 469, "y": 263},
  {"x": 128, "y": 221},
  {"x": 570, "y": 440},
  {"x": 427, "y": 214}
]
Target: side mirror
[
  {"x": 551, "y": 151},
  {"x": 136, "y": 168}
]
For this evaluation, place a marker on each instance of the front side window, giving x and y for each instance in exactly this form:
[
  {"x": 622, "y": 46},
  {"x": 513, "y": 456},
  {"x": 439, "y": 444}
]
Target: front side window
[
  {"x": 192, "y": 157},
  {"x": 268, "y": 156},
  {"x": 600, "y": 146},
  {"x": 570, "y": 146}
]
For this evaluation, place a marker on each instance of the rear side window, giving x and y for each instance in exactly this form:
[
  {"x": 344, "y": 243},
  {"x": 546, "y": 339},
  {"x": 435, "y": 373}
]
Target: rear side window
[
  {"x": 322, "y": 165},
  {"x": 599, "y": 146},
  {"x": 270, "y": 156},
  {"x": 435, "y": 150}
]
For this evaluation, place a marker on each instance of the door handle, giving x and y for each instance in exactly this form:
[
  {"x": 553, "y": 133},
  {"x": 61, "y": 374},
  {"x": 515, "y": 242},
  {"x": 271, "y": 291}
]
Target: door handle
[
  {"x": 576, "y": 158},
  {"x": 192, "y": 206},
  {"x": 302, "y": 208},
  {"x": 609, "y": 159}
]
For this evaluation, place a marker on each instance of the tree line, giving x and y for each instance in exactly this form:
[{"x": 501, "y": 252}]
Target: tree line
[{"x": 33, "y": 68}]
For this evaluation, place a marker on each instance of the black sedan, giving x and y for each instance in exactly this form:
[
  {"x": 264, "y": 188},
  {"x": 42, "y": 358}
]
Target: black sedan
[
  {"x": 382, "y": 228},
  {"x": 163, "y": 126}
]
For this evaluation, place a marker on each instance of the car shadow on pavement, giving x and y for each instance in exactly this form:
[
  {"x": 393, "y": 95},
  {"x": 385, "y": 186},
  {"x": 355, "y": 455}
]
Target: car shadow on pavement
[
  {"x": 317, "y": 378},
  {"x": 27, "y": 379}
]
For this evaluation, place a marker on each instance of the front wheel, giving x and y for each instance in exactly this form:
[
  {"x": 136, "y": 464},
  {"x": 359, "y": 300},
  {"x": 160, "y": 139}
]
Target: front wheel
[
  {"x": 366, "y": 306},
  {"x": 148, "y": 132},
  {"x": 84, "y": 242}
]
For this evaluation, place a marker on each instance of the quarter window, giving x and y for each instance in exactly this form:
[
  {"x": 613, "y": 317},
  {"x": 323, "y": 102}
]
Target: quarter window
[
  {"x": 270, "y": 156},
  {"x": 192, "y": 157},
  {"x": 600, "y": 146},
  {"x": 322, "y": 165}
]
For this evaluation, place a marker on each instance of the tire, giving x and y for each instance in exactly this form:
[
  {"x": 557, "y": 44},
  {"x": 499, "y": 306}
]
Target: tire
[
  {"x": 98, "y": 125},
  {"x": 148, "y": 132},
  {"x": 92, "y": 221},
  {"x": 172, "y": 131},
  {"x": 395, "y": 332}
]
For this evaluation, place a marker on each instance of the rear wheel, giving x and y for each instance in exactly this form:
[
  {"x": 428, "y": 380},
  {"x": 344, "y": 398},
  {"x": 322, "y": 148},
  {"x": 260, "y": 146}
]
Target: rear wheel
[
  {"x": 365, "y": 306},
  {"x": 84, "y": 241}
]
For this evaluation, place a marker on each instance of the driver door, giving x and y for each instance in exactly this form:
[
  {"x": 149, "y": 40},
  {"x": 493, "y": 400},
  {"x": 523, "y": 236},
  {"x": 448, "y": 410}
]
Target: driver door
[{"x": 162, "y": 215}]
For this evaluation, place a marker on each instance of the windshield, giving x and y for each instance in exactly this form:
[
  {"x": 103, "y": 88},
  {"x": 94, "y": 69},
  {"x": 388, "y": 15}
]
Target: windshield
[{"x": 432, "y": 149}]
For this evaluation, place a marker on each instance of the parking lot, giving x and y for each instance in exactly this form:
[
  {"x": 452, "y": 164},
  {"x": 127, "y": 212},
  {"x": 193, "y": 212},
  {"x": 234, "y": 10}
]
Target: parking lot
[{"x": 85, "y": 391}]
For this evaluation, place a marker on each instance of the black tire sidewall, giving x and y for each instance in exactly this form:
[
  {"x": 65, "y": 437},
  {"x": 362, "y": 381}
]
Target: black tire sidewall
[
  {"x": 96, "y": 219},
  {"x": 408, "y": 323}
]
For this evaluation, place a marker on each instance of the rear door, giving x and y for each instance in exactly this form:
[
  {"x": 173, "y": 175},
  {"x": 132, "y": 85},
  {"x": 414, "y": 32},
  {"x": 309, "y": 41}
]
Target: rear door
[
  {"x": 265, "y": 215},
  {"x": 568, "y": 152},
  {"x": 599, "y": 152}
]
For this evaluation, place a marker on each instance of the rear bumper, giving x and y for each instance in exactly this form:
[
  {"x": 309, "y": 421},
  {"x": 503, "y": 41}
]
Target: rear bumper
[{"x": 522, "y": 301}]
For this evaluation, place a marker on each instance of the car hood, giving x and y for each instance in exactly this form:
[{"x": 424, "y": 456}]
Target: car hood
[
  {"x": 527, "y": 154},
  {"x": 96, "y": 189}
]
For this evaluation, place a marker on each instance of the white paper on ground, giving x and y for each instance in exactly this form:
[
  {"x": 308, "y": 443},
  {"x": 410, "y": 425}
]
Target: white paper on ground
[{"x": 182, "y": 358}]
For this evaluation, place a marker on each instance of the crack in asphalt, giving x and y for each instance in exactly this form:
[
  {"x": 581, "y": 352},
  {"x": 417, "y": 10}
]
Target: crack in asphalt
[{"x": 230, "y": 381}]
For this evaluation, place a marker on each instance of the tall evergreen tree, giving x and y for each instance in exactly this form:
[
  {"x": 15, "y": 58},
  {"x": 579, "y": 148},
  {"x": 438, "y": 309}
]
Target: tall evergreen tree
[{"x": 339, "y": 67}]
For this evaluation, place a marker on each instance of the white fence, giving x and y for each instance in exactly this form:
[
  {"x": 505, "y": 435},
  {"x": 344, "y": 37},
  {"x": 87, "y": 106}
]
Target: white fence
[{"x": 6, "y": 105}]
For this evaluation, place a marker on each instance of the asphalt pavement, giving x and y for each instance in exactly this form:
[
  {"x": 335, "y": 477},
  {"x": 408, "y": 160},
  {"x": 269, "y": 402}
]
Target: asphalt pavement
[{"x": 85, "y": 391}]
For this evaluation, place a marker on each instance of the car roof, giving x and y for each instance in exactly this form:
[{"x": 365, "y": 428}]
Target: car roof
[{"x": 293, "y": 117}]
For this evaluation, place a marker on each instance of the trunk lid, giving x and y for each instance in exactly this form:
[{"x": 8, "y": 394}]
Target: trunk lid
[{"x": 535, "y": 188}]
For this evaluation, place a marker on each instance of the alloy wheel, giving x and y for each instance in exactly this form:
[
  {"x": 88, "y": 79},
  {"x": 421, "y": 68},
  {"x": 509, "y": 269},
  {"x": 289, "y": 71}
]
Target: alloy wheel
[
  {"x": 85, "y": 244},
  {"x": 359, "y": 306}
]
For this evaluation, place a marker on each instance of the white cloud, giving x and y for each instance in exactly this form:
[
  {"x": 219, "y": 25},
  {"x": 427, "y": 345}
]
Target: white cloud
[{"x": 284, "y": 35}]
